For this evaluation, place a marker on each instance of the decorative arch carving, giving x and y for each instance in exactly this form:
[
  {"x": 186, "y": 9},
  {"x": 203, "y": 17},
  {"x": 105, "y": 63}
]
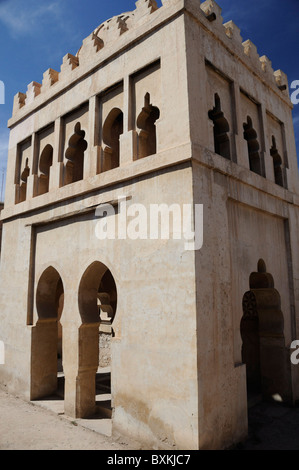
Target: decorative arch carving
[
  {"x": 75, "y": 155},
  {"x": 221, "y": 130},
  {"x": 277, "y": 163},
  {"x": 45, "y": 163},
  {"x": 112, "y": 130},
  {"x": 23, "y": 181},
  {"x": 146, "y": 123},
  {"x": 253, "y": 146}
]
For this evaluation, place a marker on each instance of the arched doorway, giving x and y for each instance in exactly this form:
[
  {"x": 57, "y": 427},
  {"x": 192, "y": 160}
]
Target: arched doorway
[
  {"x": 46, "y": 352},
  {"x": 97, "y": 306},
  {"x": 263, "y": 341}
]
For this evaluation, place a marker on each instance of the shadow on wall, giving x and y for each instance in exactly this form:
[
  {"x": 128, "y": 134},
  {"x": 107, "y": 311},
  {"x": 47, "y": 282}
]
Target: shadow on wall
[{"x": 262, "y": 329}]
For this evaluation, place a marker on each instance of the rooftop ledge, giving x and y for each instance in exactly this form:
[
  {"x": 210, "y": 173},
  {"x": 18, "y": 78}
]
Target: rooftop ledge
[{"x": 114, "y": 36}]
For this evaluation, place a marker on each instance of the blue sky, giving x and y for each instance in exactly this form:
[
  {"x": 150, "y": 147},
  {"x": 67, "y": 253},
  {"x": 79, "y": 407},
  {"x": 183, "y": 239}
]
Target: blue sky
[{"x": 36, "y": 34}]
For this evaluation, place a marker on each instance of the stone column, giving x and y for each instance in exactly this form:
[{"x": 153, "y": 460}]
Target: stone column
[
  {"x": 80, "y": 363},
  {"x": 90, "y": 162},
  {"x": 70, "y": 345},
  {"x": 241, "y": 156},
  {"x": 56, "y": 171},
  {"x": 128, "y": 140},
  {"x": 32, "y": 181},
  {"x": 269, "y": 171},
  {"x": 44, "y": 359},
  {"x": 263, "y": 145}
]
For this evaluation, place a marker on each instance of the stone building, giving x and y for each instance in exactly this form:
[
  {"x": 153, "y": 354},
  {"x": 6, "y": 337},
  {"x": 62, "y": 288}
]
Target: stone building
[{"x": 159, "y": 106}]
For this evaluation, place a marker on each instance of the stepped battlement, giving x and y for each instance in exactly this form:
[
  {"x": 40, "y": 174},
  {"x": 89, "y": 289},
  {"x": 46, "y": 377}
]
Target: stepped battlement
[{"x": 107, "y": 35}]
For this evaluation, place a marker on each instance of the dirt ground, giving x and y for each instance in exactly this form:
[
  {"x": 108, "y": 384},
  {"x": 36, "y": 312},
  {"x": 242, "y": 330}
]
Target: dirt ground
[{"x": 27, "y": 426}]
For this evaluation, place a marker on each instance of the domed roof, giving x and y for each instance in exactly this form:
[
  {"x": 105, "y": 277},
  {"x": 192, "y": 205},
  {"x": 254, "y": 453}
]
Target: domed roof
[{"x": 110, "y": 30}]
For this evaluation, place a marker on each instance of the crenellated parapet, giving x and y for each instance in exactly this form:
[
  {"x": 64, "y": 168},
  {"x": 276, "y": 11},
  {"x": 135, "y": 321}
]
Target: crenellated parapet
[
  {"x": 33, "y": 90},
  {"x": 232, "y": 31},
  {"x": 250, "y": 51},
  {"x": 105, "y": 35},
  {"x": 112, "y": 30},
  {"x": 49, "y": 78},
  {"x": 229, "y": 31},
  {"x": 281, "y": 80},
  {"x": 19, "y": 101},
  {"x": 70, "y": 62}
]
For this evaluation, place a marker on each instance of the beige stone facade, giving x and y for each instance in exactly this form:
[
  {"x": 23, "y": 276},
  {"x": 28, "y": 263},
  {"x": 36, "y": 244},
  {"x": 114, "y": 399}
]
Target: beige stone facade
[{"x": 159, "y": 106}]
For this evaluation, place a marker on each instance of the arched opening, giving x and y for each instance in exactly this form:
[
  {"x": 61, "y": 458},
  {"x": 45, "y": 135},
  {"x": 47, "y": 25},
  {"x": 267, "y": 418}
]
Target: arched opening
[
  {"x": 146, "y": 122},
  {"x": 74, "y": 154},
  {"x": 23, "y": 182},
  {"x": 253, "y": 146},
  {"x": 46, "y": 355},
  {"x": 97, "y": 306},
  {"x": 221, "y": 130},
  {"x": 263, "y": 342},
  {"x": 277, "y": 163},
  {"x": 45, "y": 163},
  {"x": 112, "y": 130}
]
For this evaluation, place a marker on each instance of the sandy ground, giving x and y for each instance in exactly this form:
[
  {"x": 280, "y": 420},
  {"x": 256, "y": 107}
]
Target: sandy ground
[
  {"x": 27, "y": 426},
  {"x": 41, "y": 426}
]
